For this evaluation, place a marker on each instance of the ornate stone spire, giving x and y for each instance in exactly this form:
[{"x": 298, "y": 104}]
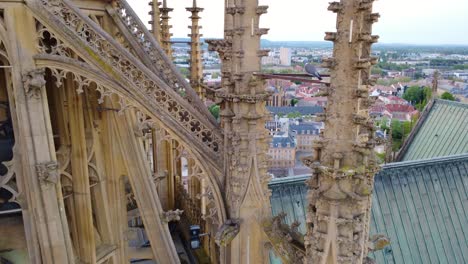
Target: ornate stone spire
[
  {"x": 165, "y": 29},
  {"x": 435, "y": 84},
  {"x": 196, "y": 66},
  {"x": 155, "y": 22},
  {"x": 343, "y": 167},
  {"x": 243, "y": 98}
]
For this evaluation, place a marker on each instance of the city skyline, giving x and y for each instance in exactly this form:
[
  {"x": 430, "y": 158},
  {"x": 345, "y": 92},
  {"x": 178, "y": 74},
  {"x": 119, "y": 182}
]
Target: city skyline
[{"x": 400, "y": 22}]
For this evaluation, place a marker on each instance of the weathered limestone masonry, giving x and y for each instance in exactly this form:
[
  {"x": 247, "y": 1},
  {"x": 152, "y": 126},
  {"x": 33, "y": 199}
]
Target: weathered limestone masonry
[
  {"x": 196, "y": 68},
  {"x": 155, "y": 22},
  {"x": 165, "y": 29},
  {"x": 244, "y": 115},
  {"x": 344, "y": 167},
  {"x": 74, "y": 66}
]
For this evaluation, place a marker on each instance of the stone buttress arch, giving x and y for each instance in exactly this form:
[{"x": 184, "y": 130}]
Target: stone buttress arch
[{"x": 112, "y": 87}]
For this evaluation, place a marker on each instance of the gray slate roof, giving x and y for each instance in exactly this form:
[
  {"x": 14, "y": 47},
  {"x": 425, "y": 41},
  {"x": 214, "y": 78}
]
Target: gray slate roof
[
  {"x": 441, "y": 131},
  {"x": 422, "y": 206},
  {"x": 282, "y": 142},
  {"x": 303, "y": 110},
  {"x": 302, "y": 128}
]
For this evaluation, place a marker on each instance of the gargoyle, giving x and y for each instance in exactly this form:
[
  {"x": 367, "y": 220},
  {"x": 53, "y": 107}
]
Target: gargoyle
[{"x": 227, "y": 232}]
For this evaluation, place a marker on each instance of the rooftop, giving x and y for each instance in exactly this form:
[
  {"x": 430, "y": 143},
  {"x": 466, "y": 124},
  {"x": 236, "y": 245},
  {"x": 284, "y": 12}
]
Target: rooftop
[
  {"x": 420, "y": 205},
  {"x": 399, "y": 108},
  {"x": 442, "y": 130},
  {"x": 303, "y": 110},
  {"x": 302, "y": 128},
  {"x": 282, "y": 142}
]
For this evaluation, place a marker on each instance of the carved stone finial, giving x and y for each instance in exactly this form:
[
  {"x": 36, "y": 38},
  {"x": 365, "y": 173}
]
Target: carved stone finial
[
  {"x": 33, "y": 81},
  {"x": 172, "y": 215},
  {"x": 47, "y": 172},
  {"x": 227, "y": 232}
]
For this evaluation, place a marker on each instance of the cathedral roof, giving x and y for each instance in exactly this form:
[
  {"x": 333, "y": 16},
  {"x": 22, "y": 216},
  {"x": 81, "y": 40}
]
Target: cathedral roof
[
  {"x": 442, "y": 130},
  {"x": 420, "y": 205}
]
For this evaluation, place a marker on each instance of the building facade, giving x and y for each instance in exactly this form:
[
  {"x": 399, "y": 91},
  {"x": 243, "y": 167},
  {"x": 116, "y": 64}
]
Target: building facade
[
  {"x": 282, "y": 151},
  {"x": 285, "y": 56}
]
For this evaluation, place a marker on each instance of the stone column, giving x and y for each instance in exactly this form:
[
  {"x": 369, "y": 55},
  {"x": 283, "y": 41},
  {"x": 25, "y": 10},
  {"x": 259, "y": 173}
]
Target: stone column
[
  {"x": 165, "y": 29},
  {"x": 34, "y": 139},
  {"x": 139, "y": 174},
  {"x": 244, "y": 115},
  {"x": 86, "y": 245},
  {"x": 344, "y": 167},
  {"x": 155, "y": 22},
  {"x": 196, "y": 66},
  {"x": 435, "y": 85}
]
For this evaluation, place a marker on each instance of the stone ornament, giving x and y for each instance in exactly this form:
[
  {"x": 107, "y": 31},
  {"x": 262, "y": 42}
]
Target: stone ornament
[
  {"x": 48, "y": 172},
  {"x": 33, "y": 81},
  {"x": 227, "y": 232},
  {"x": 172, "y": 215},
  {"x": 286, "y": 241}
]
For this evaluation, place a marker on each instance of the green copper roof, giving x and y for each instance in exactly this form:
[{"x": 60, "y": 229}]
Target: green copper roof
[
  {"x": 441, "y": 131},
  {"x": 422, "y": 206}
]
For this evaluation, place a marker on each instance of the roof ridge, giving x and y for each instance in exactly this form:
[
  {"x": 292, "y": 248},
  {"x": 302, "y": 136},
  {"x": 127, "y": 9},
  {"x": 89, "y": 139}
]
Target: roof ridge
[
  {"x": 454, "y": 103},
  {"x": 290, "y": 179},
  {"x": 431, "y": 161}
]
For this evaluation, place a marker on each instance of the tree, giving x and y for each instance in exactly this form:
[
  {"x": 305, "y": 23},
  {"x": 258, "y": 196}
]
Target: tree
[
  {"x": 413, "y": 94},
  {"x": 418, "y": 75},
  {"x": 294, "y": 101},
  {"x": 294, "y": 115},
  {"x": 185, "y": 72},
  {"x": 376, "y": 70},
  {"x": 383, "y": 123},
  {"x": 447, "y": 96},
  {"x": 400, "y": 131},
  {"x": 214, "y": 110},
  {"x": 418, "y": 96}
]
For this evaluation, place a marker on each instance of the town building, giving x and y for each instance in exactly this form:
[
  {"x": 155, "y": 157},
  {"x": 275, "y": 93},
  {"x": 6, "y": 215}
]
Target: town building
[
  {"x": 285, "y": 56},
  {"x": 302, "y": 111},
  {"x": 270, "y": 60},
  {"x": 392, "y": 99},
  {"x": 282, "y": 151},
  {"x": 278, "y": 98},
  {"x": 400, "y": 112},
  {"x": 277, "y": 125},
  {"x": 313, "y": 101},
  {"x": 305, "y": 134}
]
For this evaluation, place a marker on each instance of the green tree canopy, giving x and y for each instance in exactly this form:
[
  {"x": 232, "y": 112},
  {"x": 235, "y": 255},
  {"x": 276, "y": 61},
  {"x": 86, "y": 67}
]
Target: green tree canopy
[
  {"x": 447, "y": 96},
  {"x": 418, "y": 96},
  {"x": 400, "y": 131},
  {"x": 294, "y": 101},
  {"x": 294, "y": 115},
  {"x": 214, "y": 110}
]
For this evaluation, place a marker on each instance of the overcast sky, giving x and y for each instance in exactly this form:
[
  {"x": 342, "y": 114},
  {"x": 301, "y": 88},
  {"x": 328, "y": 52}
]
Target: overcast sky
[{"x": 402, "y": 21}]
